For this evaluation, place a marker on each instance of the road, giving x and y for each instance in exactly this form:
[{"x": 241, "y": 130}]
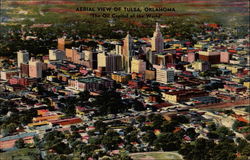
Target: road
[{"x": 210, "y": 106}]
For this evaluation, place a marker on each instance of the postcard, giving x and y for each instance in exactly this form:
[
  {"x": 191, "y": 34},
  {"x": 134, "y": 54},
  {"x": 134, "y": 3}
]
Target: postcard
[{"x": 124, "y": 80}]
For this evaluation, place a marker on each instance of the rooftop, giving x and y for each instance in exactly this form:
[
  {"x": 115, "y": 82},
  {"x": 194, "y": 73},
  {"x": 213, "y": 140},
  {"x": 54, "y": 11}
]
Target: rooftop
[
  {"x": 92, "y": 80},
  {"x": 17, "y": 136}
]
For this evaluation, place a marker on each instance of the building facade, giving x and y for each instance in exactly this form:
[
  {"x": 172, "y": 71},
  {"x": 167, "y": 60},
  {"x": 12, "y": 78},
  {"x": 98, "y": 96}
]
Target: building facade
[
  {"x": 127, "y": 52},
  {"x": 138, "y": 66},
  {"x": 164, "y": 75},
  {"x": 55, "y": 55},
  {"x": 111, "y": 62},
  {"x": 157, "y": 42},
  {"x": 22, "y": 57},
  {"x": 35, "y": 68}
]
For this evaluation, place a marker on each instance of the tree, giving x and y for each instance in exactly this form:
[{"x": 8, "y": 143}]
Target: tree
[
  {"x": 248, "y": 137},
  {"x": 68, "y": 106},
  {"x": 167, "y": 142},
  {"x": 109, "y": 102},
  {"x": 149, "y": 137},
  {"x": 100, "y": 126},
  {"x": 129, "y": 129},
  {"x": 62, "y": 148},
  {"x": 141, "y": 119},
  {"x": 20, "y": 143},
  {"x": 203, "y": 148},
  {"x": 247, "y": 109},
  {"x": 10, "y": 128},
  {"x": 238, "y": 124},
  {"x": 213, "y": 135},
  {"x": 225, "y": 150},
  {"x": 138, "y": 106},
  {"x": 191, "y": 133},
  {"x": 180, "y": 119},
  {"x": 132, "y": 136},
  {"x": 157, "y": 120},
  {"x": 246, "y": 150},
  {"x": 111, "y": 140},
  {"x": 224, "y": 131},
  {"x": 84, "y": 96},
  {"x": 212, "y": 127},
  {"x": 168, "y": 126}
]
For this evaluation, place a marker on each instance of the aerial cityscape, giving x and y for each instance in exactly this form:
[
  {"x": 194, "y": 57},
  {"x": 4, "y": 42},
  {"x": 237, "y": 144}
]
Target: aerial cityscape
[{"x": 163, "y": 87}]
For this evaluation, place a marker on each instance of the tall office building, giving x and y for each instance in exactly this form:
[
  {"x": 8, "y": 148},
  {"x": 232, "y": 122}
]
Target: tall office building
[
  {"x": 211, "y": 57},
  {"x": 35, "y": 68},
  {"x": 111, "y": 62},
  {"x": 127, "y": 52},
  {"x": 201, "y": 66},
  {"x": 191, "y": 57},
  {"x": 55, "y": 55},
  {"x": 157, "y": 42},
  {"x": 118, "y": 49},
  {"x": 225, "y": 57},
  {"x": 62, "y": 43},
  {"x": 138, "y": 65},
  {"x": 22, "y": 57},
  {"x": 164, "y": 75}
]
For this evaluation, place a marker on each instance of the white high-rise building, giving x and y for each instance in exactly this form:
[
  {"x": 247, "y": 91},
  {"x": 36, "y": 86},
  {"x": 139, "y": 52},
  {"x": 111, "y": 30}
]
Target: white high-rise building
[
  {"x": 111, "y": 62},
  {"x": 35, "y": 68},
  {"x": 127, "y": 52},
  {"x": 157, "y": 42},
  {"x": 22, "y": 57},
  {"x": 138, "y": 66},
  {"x": 55, "y": 55},
  {"x": 164, "y": 75}
]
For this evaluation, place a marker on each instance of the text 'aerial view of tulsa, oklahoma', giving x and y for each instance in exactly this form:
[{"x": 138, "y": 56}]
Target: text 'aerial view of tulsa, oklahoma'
[{"x": 124, "y": 80}]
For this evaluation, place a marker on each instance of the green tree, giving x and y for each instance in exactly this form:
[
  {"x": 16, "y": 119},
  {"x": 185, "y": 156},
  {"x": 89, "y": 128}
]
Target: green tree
[
  {"x": 167, "y": 142},
  {"x": 111, "y": 140},
  {"x": 100, "y": 126},
  {"x": 132, "y": 137},
  {"x": 238, "y": 124},
  {"x": 149, "y": 137},
  {"x": 224, "y": 131},
  {"x": 20, "y": 143},
  {"x": 84, "y": 96},
  {"x": 141, "y": 119}
]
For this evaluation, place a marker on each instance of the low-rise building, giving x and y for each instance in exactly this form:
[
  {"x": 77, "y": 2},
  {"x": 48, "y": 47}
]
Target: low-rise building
[
  {"x": 91, "y": 84},
  {"x": 121, "y": 77},
  {"x": 235, "y": 88},
  {"x": 8, "y": 74},
  {"x": 183, "y": 95},
  {"x": 9, "y": 141}
]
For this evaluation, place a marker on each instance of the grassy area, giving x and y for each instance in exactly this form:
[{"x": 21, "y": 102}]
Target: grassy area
[
  {"x": 156, "y": 156},
  {"x": 20, "y": 154}
]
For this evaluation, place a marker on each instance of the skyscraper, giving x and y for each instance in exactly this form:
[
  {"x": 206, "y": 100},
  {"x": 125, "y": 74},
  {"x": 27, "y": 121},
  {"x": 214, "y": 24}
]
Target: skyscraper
[
  {"x": 22, "y": 57},
  {"x": 35, "y": 68},
  {"x": 56, "y": 55},
  {"x": 157, "y": 43},
  {"x": 62, "y": 43},
  {"x": 138, "y": 66},
  {"x": 127, "y": 52},
  {"x": 164, "y": 75},
  {"x": 111, "y": 62}
]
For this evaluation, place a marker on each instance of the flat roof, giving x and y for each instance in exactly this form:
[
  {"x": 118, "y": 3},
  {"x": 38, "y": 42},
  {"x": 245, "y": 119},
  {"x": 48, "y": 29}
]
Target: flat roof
[{"x": 92, "y": 80}]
